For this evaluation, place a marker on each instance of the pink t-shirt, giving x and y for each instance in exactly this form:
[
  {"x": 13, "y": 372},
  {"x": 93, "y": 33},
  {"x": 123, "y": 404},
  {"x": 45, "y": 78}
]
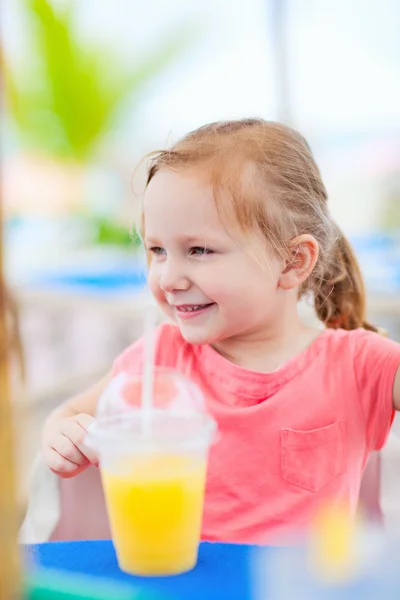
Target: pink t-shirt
[{"x": 288, "y": 439}]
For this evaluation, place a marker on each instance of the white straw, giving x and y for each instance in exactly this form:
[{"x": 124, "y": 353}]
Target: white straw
[{"x": 148, "y": 366}]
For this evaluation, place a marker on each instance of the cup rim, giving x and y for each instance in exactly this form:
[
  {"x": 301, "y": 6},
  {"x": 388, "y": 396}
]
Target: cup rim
[{"x": 103, "y": 434}]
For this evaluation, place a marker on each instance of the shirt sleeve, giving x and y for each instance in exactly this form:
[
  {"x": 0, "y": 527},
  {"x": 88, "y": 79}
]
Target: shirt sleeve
[
  {"x": 131, "y": 359},
  {"x": 166, "y": 341},
  {"x": 376, "y": 360}
]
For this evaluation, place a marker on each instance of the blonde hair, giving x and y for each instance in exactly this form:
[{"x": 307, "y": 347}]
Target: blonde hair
[{"x": 275, "y": 188}]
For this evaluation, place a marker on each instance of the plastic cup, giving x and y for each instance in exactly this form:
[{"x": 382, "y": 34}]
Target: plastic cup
[
  {"x": 171, "y": 391},
  {"x": 154, "y": 482}
]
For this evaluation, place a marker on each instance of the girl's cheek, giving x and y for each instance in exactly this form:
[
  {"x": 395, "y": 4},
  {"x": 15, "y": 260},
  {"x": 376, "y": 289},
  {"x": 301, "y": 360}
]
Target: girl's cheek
[{"x": 153, "y": 281}]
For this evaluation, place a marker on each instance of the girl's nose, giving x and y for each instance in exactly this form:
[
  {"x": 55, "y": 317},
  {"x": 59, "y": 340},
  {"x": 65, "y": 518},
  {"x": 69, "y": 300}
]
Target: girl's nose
[{"x": 173, "y": 278}]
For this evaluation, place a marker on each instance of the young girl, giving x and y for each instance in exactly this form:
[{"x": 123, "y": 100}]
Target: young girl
[{"x": 237, "y": 228}]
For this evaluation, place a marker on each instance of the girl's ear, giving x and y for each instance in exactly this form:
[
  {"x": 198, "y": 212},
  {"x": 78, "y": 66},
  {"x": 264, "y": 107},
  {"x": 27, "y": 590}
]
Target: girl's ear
[{"x": 304, "y": 255}]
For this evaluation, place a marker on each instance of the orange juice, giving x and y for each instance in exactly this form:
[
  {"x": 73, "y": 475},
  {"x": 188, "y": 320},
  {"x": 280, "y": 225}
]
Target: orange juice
[{"x": 155, "y": 506}]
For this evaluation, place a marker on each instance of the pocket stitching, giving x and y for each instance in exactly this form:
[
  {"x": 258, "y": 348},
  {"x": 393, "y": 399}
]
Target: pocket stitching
[{"x": 340, "y": 426}]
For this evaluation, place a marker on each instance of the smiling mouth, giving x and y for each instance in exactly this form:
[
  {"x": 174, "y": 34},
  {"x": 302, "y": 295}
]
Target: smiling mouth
[{"x": 192, "y": 310}]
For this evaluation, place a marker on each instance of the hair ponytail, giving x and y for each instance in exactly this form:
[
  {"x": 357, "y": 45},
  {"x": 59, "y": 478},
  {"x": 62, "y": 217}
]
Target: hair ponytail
[{"x": 340, "y": 299}]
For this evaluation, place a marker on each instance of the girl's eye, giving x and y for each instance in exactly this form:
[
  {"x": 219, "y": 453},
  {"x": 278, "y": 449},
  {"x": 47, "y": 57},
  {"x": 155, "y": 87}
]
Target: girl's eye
[
  {"x": 157, "y": 250},
  {"x": 199, "y": 251}
]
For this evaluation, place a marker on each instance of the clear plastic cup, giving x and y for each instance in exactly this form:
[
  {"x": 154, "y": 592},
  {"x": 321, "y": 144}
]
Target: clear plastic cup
[
  {"x": 153, "y": 478},
  {"x": 171, "y": 391}
]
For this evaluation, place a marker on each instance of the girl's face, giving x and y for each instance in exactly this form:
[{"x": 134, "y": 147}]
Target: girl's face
[{"x": 203, "y": 278}]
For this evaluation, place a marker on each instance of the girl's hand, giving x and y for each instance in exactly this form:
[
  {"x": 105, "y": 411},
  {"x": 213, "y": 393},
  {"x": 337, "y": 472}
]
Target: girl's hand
[{"x": 63, "y": 446}]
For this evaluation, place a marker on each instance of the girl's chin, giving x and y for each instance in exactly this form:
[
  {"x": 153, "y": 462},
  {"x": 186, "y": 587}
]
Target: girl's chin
[{"x": 199, "y": 337}]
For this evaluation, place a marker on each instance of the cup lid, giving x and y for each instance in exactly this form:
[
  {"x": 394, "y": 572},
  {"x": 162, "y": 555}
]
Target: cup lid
[{"x": 172, "y": 391}]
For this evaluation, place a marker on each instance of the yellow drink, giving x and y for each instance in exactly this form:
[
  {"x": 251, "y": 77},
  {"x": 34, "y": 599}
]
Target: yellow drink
[{"x": 155, "y": 506}]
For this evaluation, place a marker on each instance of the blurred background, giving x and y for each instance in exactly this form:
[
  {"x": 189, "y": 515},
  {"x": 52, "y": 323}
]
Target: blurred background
[{"x": 89, "y": 87}]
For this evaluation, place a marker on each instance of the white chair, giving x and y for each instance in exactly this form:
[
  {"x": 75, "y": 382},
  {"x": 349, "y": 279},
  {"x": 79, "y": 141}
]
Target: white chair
[{"x": 64, "y": 509}]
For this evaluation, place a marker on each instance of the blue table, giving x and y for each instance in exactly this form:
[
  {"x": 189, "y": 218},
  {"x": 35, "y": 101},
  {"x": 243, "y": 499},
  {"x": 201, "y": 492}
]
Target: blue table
[{"x": 223, "y": 571}]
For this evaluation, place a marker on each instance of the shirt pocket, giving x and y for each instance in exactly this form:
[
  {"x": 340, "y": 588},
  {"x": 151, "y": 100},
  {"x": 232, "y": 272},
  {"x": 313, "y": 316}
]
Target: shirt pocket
[{"x": 311, "y": 459}]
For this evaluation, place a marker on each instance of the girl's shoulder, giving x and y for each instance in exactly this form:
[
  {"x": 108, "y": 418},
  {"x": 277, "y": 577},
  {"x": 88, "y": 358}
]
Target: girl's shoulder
[
  {"x": 362, "y": 340},
  {"x": 361, "y": 351},
  {"x": 169, "y": 349}
]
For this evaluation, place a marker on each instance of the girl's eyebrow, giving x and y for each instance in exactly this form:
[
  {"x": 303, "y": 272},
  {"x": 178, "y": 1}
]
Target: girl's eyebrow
[
  {"x": 150, "y": 240},
  {"x": 194, "y": 240}
]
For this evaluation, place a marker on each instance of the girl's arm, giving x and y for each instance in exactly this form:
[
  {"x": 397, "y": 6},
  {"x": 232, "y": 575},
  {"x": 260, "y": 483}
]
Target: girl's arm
[
  {"x": 396, "y": 391},
  {"x": 64, "y": 432},
  {"x": 85, "y": 402}
]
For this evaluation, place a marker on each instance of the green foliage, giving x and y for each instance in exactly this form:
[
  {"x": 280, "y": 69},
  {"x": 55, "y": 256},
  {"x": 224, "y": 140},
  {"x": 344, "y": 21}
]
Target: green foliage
[
  {"x": 107, "y": 232},
  {"x": 69, "y": 95}
]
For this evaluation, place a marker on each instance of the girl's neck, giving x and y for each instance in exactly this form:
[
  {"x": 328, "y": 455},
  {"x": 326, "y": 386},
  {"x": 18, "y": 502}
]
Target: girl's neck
[{"x": 267, "y": 350}]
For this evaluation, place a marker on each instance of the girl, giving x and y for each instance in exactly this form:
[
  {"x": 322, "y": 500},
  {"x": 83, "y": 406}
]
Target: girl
[{"x": 237, "y": 229}]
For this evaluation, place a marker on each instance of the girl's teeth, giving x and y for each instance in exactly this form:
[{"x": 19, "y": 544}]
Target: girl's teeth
[{"x": 192, "y": 308}]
